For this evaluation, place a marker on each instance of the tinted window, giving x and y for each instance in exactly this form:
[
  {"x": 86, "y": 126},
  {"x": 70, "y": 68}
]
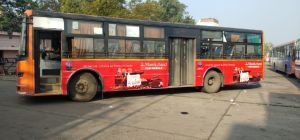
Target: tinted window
[
  {"x": 239, "y": 51},
  {"x": 253, "y": 51},
  {"x": 253, "y": 38},
  {"x": 116, "y": 47},
  {"x": 154, "y": 48}
]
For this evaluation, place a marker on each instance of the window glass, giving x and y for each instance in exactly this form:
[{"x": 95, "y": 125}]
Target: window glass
[
  {"x": 132, "y": 31},
  {"x": 99, "y": 49},
  {"x": 228, "y": 51},
  {"x": 254, "y": 51},
  {"x": 84, "y": 27},
  {"x": 133, "y": 48},
  {"x": 23, "y": 43},
  {"x": 154, "y": 48},
  {"x": 153, "y": 32},
  {"x": 239, "y": 51},
  {"x": 204, "y": 50},
  {"x": 216, "y": 50},
  {"x": 253, "y": 38},
  {"x": 82, "y": 47},
  {"x": 124, "y": 30},
  {"x": 116, "y": 47},
  {"x": 212, "y": 36},
  {"x": 235, "y": 37}
]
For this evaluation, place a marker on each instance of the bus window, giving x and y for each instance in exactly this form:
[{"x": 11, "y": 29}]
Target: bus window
[
  {"x": 228, "y": 51},
  {"x": 124, "y": 30},
  {"x": 154, "y": 32},
  {"x": 133, "y": 48},
  {"x": 235, "y": 37},
  {"x": 82, "y": 47},
  {"x": 212, "y": 36},
  {"x": 23, "y": 45},
  {"x": 84, "y": 27},
  {"x": 154, "y": 49},
  {"x": 253, "y": 51},
  {"x": 116, "y": 47},
  {"x": 216, "y": 50},
  {"x": 239, "y": 51},
  {"x": 253, "y": 38},
  {"x": 99, "y": 49},
  {"x": 204, "y": 51}
]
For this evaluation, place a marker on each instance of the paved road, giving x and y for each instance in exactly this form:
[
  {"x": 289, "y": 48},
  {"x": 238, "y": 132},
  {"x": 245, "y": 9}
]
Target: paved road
[{"x": 270, "y": 110}]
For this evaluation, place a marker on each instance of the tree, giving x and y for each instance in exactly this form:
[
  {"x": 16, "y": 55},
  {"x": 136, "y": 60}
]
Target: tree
[
  {"x": 11, "y": 13},
  {"x": 114, "y": 8},
  {"x": 51, "y": 5},
  {"x": 149, "y": 10},
  {"x": 174, "y": 11}
]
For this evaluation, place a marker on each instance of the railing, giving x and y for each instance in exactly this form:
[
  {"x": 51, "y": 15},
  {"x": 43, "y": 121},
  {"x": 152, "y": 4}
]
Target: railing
[{"x": 8, "y": 66}]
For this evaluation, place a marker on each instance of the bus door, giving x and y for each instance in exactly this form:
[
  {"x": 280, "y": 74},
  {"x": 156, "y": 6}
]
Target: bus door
[
  {"x": 47, "y": 59},
  {"x": 182, "y": 61}
]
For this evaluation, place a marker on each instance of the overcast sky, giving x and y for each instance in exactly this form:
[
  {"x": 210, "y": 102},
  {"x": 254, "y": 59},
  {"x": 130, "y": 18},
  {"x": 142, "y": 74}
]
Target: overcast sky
[{"x": 279, "y": 19}]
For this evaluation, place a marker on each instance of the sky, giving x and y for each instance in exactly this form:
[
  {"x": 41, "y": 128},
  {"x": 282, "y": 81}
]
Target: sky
[{"x": 279, "y": 19}]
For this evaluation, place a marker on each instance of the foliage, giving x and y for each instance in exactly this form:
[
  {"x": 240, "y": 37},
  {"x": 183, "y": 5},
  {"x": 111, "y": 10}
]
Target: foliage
[
  {"x": 11, "y": 13},
  {"x": 158, "y": 10},
  {"x": 149, "y": 10}
]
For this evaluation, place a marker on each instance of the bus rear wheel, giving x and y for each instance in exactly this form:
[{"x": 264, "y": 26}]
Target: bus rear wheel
[
  {"x": 83, "y": 87},
  {"x": 212, "y": 82}
]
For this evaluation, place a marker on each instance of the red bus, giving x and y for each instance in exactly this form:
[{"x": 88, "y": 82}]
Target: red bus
[
  {"x": 285, "y": 58},
  {"x": 80, "y": 55}
]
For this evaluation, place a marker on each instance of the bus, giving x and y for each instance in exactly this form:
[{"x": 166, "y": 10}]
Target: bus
[
  {"x": 80, "y": 55},
  {"x": 285, "y": 58}
]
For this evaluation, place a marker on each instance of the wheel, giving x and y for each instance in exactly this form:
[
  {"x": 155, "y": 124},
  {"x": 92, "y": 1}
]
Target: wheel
[
  {"x": 83, "y": 87},
  {"x": 212, "y": 82}
]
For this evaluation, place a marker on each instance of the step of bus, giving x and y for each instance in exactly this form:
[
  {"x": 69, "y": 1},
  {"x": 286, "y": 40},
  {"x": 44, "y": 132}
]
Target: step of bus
[
  {"x": 50, "y": 79},
  {"x": 50, "y": 87}
]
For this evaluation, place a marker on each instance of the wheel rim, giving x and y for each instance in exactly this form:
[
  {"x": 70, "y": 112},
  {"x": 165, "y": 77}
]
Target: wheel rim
[
  {"x": 81, "y": 86},
  {"x": 211, "y": 81}
]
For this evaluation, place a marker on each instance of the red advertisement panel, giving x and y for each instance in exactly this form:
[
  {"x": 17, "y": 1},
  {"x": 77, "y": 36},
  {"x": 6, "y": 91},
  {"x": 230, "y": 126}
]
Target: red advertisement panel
[
  {"x": 233, "y": 71},
  {"x": 121, "y": 74}
]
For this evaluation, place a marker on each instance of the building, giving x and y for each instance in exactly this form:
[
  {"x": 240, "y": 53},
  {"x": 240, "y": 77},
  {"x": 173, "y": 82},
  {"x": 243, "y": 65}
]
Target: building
[
  {"x": 9, "y": 47},
  {"x": 208, "y": 22}
]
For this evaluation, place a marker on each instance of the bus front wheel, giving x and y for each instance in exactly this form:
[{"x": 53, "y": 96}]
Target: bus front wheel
[
  {"x": 212, "y": 82},
  {"x": 83, "y": 87}
]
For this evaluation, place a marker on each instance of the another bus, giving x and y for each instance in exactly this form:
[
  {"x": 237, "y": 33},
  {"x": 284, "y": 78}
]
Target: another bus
[
  {"x": 285, "y": 58},
  {"x": 80, "y": 55}
]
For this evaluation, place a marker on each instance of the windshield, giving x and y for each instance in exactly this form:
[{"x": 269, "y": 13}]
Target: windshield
[{"x": 23, "y": 45}]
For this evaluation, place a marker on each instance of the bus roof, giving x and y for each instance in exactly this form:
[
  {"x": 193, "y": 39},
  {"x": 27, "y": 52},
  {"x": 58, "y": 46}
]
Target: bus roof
[
  {"x": 286, "y": 43},
  {"x": 134, "y": 21}
]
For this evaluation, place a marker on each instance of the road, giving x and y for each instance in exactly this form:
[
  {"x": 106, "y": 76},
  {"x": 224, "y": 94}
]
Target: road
[{"x": 269, "y": 110}]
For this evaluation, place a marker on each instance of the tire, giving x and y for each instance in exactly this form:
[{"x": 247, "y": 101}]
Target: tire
[
  {"x": 83, "y": 87},
  {"x": 212, "y": 82}
]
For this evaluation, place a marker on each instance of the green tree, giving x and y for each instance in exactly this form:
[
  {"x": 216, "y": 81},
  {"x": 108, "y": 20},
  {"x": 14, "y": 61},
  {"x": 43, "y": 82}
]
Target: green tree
[
  {"x": 114, "y": 8},
  {"x": 175, "y": 11},
  {"x": 11, "y": 13},
  {"x": 149, "y": 10},
  {"x": 51, "y": 5}
]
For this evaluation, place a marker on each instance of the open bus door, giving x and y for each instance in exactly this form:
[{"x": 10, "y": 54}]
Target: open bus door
[{"x": 47, "y": 58}]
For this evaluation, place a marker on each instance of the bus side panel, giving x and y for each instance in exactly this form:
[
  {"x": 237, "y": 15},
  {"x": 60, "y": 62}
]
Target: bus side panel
[
  {"x": 120, "y": 74},
  {"x": 231, "y": 70}
]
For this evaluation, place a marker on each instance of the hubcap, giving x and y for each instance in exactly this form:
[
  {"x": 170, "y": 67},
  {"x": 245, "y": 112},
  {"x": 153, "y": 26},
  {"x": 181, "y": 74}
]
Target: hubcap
[
  {"x": 81, "y": 86},
  {"x": 211, "y": 81}
]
